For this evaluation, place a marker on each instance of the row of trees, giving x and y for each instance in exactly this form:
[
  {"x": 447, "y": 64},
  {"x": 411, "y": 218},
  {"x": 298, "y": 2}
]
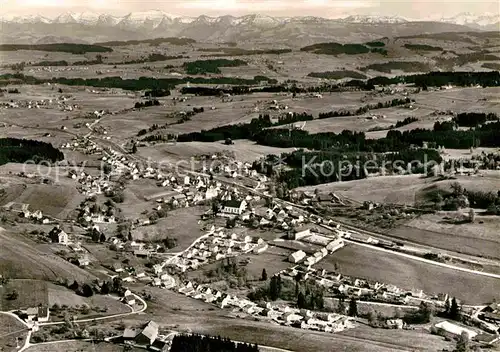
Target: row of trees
[{"x": 363, "y": 109}]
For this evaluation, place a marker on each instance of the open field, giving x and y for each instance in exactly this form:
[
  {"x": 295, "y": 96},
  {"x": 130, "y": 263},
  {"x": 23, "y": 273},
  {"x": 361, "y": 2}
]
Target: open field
[
  {"x": 64, "y": 297},
  {"x": 364, "y": 124},
  {"x": 21, "y": 258},
  {"x": 406, "y": 189},
  {"x": 461, "y": 99},
  {"x": 274, "y": 259},
  {"x": 31, "y": 293},
  {"x": 80, "y": 346},
  {"x": 368, "y": 263},
  {"x": 185, "y": 313},
  {"x": 55, "y": 200},
  {"x": 181, "y": 224},
  {"x": 244, "y": 150},
  {"x": 355, "y": 340},
  {"x": 480, "y": 238},
  {"x": 12, "y": 333}
]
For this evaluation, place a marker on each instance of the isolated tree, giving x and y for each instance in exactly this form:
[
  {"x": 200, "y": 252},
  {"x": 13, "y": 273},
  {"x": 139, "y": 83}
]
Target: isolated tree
[
  {"x": 12, "y": 296},
  {"x": 371, "y": 316},
  {"x": 472, "y": 215},
  {"x": 105, "y": 288},
  {"x": 462, "y": 343},
  {"x": 447, "y": 307},
  {"x": 134, "y": 148},
  {"x": 230, "y": 223},
  {"x": 215, "y": 207},
  {"x": 353, "y": 308},
  {"x": 169, "y": 242},
  {"x": 264, "y": 275},
  {"x": 301, "y": 300},
  {"x": 274, "y": 289},
  {"x": 102, "y": 238},
  {"x": 87, "y": 290},
  {"x": 398, "y": 313},
  {"x": 341, "y": 306},
  {"x": 454, "y": 310},
  {"x": 74, "y": 286}
]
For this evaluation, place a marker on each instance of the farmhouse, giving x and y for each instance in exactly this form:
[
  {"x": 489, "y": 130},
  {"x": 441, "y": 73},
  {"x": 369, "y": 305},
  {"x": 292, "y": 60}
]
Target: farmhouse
[
  {"x": 296, "y": 256},
  {"x": 39, "y": 313},
  {"x": 57, "y": 235},
  {"x": 129, "y": 299},
  {"x": 148, "y": 335},
  {"x": 233, "y": 208}
]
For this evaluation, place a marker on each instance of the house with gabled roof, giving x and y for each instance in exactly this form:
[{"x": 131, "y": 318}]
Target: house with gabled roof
[
  {"x": 232, "y": 208},
  {"x": 57, "y": 235}
]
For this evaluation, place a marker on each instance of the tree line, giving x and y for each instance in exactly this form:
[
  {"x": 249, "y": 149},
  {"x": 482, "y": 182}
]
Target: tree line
[
  {"x": 473, "y": 119},
  {"x": 152, "y": 42},
  {"x": 201, "y": 67},
  {"x": 337, "y": 49},
  {"x": 142, "y": 83},
  {"x": 337, "y": 165},
  {"x": 200, "y": 343},
  {"x": 363, "y": 109},
  {"x": 58, "y": 47}
]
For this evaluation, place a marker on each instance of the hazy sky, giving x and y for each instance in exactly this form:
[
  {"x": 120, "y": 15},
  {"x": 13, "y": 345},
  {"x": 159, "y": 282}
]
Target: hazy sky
[{"x": 324, "y": 8}]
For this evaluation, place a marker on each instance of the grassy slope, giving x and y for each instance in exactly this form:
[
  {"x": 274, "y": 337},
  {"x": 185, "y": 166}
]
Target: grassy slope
[
  {"x": 368, "y": 263},
  {"x": 22, "y": 258}
]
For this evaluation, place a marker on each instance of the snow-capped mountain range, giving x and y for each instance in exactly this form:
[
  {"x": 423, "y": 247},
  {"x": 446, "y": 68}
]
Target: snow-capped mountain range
[
  {"x": 153, "y": 19},
  {"x": 97, "y": 27}
]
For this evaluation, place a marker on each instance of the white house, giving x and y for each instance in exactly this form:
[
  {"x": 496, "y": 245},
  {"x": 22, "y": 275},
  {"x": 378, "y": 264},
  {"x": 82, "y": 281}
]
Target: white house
[
  {"x": 129, "y": 299},
  {"x": 57, "y": 235},
  {"x": 233, "y": 208},
  {"x": 297, "y": 256}
]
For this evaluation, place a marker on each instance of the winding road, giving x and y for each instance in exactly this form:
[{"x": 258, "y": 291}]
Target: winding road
[{"x": 31, "y": 327}]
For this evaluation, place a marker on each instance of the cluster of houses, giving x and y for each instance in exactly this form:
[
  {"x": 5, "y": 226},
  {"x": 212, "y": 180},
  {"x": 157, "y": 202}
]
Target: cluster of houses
[
  {"x": 279, "y": 313},
  {"x": 491, "y": 315},
  {"x": 216, "y": 245},
  {"x": 361, "y": 289},
  {"x": 93, "y": 216},
  {"x": 60, "y": 102},
  {"x": 25, "y": 212},
  {"x": 301, "y": 257},
  {"x": 156, "y": 278}
]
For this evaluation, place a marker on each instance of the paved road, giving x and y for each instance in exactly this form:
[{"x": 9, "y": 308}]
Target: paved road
[
  {"x": 29, "y": 326},
  {"x": 121, "y": 315}
]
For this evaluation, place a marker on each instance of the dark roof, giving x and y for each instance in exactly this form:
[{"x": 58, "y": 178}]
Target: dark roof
[
  {"x": 159, "y": 344},
  {"x": 489, "y": 315},
  {"x": 233, "y": 203},
  {"x": 43, "y": 311}
]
